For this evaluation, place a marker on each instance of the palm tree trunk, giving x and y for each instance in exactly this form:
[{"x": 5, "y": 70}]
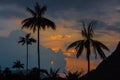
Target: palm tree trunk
[
  {"x": 88, "y": 58},
  {"x": 27, "y": 58},
  {"x": 88, "y": 63},
  {"x": 88, "y": 55},
  {"x": 38, "y": 50}
]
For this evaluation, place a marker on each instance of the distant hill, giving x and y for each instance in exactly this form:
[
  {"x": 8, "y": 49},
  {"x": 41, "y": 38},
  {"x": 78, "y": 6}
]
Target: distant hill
[{"x": 108, "y": 69}]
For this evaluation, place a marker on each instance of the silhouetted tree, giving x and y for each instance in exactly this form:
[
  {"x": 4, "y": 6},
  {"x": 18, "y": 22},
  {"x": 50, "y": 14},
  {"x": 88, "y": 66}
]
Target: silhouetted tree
[
  {"x": 88, "y": 43},
  {"x": 34, "y": 74},
  {"x": 73, "y": 75},
  {"x": 18, "y": 65},
  {"x": 28, "y": 41},
  {"x": 52, "y": 75},
  {"x": 7, "y": 74},
  {"x": 37, "y": 22}
]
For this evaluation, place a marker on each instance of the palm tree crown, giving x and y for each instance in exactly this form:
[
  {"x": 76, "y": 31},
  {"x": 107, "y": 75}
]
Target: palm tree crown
[
  {"x": 27, "y": 40},
  {"x": 18, "y": 65},
  {"x": 37, "y": 21},
  {"x": 88, "y": 43}
]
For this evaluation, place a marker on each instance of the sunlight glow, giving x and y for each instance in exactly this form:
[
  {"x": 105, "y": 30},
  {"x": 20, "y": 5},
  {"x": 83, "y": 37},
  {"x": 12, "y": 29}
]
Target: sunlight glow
[
  {"x": 56, "y": 37},
  {"x": 52, "y": 62},
  {"x": 55, "y": 49}
]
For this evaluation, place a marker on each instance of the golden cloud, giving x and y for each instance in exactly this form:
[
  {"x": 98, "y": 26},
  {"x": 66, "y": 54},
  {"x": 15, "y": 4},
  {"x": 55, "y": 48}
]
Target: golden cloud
[
  {"x": 56, "y": 37},
  {"x": 60, "y": 37},
  {"x": 74, "y": 64},
  {"x": 55, "y": 49}
]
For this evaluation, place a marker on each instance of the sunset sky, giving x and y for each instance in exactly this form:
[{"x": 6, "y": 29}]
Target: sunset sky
[{"x": 67, "y": 15}]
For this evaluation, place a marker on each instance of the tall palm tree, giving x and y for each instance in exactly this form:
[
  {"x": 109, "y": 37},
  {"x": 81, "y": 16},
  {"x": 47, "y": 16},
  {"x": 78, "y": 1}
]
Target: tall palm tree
[
  {"x": 88, "y": 43},
  {"x": 18, "y": 65},
  {"x": 27, "y": 40},
  {"x": 37, "y": 22}
]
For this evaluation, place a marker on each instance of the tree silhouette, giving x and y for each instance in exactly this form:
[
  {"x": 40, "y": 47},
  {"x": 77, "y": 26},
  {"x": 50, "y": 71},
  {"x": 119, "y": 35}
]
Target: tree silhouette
[
  {"x": 7, "y": 74},
  {"x": 37, "y": 22},
  {"x": 73, "y": 76},
  {"x": 28, "y": 41},
  {"x": 52, "y": 75},
  {"x": 34, "y": 74},
  {"x": 88, "y": 43},
  {"x": 18, "y": 65}
]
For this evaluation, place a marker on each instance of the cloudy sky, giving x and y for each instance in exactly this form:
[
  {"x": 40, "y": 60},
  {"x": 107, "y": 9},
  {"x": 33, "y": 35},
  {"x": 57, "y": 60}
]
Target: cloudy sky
[{"x": 67, "y": 15}]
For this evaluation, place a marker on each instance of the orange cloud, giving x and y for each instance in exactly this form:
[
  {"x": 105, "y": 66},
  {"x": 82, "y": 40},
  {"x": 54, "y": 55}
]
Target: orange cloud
[
  {"x": 72, "y": 51},
  {"x": 60, "y": 37},
  {"x": 55, "y": 49},
  {"x": 74, "y": 64},
  {"x": 56, "y": 37},
  {"x": 67, "y": 36}
]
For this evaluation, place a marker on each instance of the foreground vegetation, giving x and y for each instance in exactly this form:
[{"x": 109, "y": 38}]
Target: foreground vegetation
[{"x": 33, "y": 74}]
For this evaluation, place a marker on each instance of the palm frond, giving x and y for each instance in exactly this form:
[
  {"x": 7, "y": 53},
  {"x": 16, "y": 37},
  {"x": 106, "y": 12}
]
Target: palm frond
[
  {"x": 73, "y": 44},
  {"x": 90, "y": 28},
  {"x": 42, "y": 23},
  {"x": 37, "y": 8},
  {"x": 31, "y": 11},
  {"x": 102, "y": 45},
  {"x": 47, "y": 23},
  {"x": 29, "y": 23},
  {"x": 94, "y": 48},
  {"x": 32, "y": 40},
  {"x": 56, "y": 72},
  {"x": 84, "y": 31},
  {"x": 53, "y": 73},
  {"x": 22, "y": 40},
  {"x": 43, "y": 9},
  {"x": 81, "y": 47},
  {"x": 73, "y": 75},
  {"x": 91, "y": 24},
  {"x": 101, "y": 53},
  {"x": 98, "y": 48}
]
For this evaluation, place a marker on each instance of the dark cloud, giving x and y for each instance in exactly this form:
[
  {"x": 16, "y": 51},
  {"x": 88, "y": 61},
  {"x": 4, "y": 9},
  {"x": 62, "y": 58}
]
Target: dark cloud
[
  {"x": 87, "y": 7},
  {"x": 77, "y": 4},
  {"x": 12, "y": 13},
  {"x": 99, "y": 25},
  {"x": 115, "y": 27},
  {"x": 1, "y": 28},
  {"x": 20, "y": 2},
  {"x": 15, "y": 8}
]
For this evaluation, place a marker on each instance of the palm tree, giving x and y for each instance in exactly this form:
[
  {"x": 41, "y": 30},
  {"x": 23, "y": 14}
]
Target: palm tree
[
  {"x": 28, "y": 41},
  {"x": 88, "y": 43},
  {"x": 38, "y": 22},
  {"x": 18, "y": 65}
]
